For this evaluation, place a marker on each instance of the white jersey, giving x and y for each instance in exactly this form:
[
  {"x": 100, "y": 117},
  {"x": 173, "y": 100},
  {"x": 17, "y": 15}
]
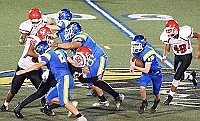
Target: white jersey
[
  {"x": 182, "y": 45},
  {"x": 28, "y": 28},
  {"x": 26, "y": 61}
]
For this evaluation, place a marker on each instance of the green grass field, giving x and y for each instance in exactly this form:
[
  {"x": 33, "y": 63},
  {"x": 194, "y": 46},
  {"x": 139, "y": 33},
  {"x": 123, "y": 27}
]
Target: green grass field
[{"x": 105, "y": 33}]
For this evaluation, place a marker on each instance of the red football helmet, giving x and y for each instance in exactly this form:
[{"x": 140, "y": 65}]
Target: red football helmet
[
  {"x": 44, "y": 33},
  {"x": 35, "y": 15},
  {"x": 83, "y": 57},
  {"x": 172, "y": 28}
]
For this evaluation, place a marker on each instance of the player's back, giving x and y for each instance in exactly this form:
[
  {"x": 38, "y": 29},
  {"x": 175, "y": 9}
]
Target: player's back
[{"x": 58, "y": 63}]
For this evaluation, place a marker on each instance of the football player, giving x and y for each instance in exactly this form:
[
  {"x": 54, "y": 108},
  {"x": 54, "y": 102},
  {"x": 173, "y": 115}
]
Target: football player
[
  {"x": 150, "y": 72},
  {"x": 75, "y": 38},
  {"x": 28, "y": 58},
  {"x": 178, "y": 39},
  {"x": 57, "y": 62},
  {"x": 33, "y": 24}
]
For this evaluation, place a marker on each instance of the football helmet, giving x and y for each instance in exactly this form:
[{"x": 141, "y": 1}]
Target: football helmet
[
  {"x": 83, "y": 57},
  {"x": 65, "y": 14},
  {"x": 172, "y": 28},
  {"x": 138, "y": 44},
  {"x": 73, "y": 29},
  {"x": 42, "y": 47},
  {"x": 44, "y": 33},
  {"x": 35, "y": 16}
]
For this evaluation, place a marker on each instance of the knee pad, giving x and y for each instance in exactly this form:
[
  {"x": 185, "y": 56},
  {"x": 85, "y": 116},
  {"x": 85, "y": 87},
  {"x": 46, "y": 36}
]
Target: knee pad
[{"x": 175, "y": 82}]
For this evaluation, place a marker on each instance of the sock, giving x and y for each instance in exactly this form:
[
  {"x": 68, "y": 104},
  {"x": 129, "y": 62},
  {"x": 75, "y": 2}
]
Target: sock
[
  {"x": 53, "y": 106},
  {"x": 6, "y": 103},
  {"x": 102, "y": 98},
  {"x": 78, "y": 115},
  {"x": 171, "y": 93}
]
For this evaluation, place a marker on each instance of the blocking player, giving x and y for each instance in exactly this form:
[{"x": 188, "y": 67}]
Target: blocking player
[
  {"x": 57, "y": 62},
  {"x": 150, "y": 72},
  {"x": 75, "y": 38},
  {"x": 178, "y": 39},
  {"x": 28, "y": 58}
]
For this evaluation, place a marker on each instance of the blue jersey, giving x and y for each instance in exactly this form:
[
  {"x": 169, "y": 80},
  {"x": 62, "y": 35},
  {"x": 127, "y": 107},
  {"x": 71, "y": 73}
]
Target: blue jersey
[
  {"x": 56, "y": 62},
  {"x": 62, "y": 24},
  {"x": 148, "y": 55}
]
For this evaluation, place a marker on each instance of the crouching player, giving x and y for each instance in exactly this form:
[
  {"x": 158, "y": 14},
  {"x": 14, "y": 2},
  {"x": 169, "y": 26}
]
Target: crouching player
[
  {"x": 150, "y": 72},
  {"x": 56, "y": 62}
]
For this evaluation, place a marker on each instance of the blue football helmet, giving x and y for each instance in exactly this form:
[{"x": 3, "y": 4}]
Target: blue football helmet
[
  {"x": 138, "y": 44},
  {"x": 73, "y": 29},
  {"x": 65, "y": 14},
  {"x": 42, "y": 47}
]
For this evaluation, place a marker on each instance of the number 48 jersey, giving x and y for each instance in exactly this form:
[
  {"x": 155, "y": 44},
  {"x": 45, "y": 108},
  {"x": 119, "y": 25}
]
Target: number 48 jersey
[{"x": 182, "y": 45}]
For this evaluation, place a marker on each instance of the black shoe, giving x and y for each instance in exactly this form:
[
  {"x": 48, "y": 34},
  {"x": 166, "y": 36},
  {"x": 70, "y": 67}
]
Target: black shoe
[
  {"x": 168, "y": 101},
  {"x": 47, "y": 111},
  {"x": 119, "y": 100},
  {"x": 17, "y": 112},
  {"x": 4, "y": 108},
  {"x": 155, "y": 104},
  {"x": 143, "y": 106},
  {"x": 43, "y": 101},
  {"x": 194, "y": 80}
]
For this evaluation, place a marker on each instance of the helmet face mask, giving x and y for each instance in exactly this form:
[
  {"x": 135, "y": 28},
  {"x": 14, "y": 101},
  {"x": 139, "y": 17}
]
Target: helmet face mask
[
  {"x": 172, "y": 28},
  {"x": 138, "y": 44}
]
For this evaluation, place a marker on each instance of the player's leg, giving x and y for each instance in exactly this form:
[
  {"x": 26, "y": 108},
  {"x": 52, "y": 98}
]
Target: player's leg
[
  {"x": 41, "y": 91},
  {"x": 16, "y": 84},
  {"x": 181, "y": 64},
  {"x": 144, "y": 80},
  {"x": 157, "y": 83}
]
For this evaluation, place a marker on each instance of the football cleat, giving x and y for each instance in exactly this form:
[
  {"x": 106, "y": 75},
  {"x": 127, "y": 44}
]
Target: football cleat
[
  {"x": 17, "y": 112},
  {"x": 193, "y": 80},
  {"x": 154, "y": 107},
  {"x": 168, "y": 100},
  {"x": 82, "y": 118},
  {"x": 75, "y": 103},
  {"x": 47, "y": 111},
  {"x": 143, "y": 107},
  {"x": 101, "y": 104},
  {"x": 4, "y": 108},
  {"x": 119, "y": 100}
]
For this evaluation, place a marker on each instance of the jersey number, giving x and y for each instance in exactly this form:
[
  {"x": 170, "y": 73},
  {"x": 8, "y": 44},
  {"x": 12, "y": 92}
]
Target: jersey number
[
  {"x": 61, "y": 57},
  {"x": 180, "y": 48}
]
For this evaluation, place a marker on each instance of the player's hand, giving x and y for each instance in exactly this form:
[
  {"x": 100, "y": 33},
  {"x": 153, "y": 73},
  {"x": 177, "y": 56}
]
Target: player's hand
[
  {"x": 132, "y": 63},
  {"x": 85, "y": 70},
  {"x": 131, "y": 69},
  {"x": 198, "y": 54},
  {"x": 163, "y": 60},
  {"x": 20, "y": 72}
]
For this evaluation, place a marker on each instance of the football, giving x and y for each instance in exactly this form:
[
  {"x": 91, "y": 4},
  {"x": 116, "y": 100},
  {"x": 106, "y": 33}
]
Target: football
[{"x": 138, "y": 62}]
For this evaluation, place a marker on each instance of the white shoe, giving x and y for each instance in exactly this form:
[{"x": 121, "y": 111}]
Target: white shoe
[
  {"x": 82, "y": 118},
  {"x": 75, "y": 103},
  {"x": 101, "y": 104}
]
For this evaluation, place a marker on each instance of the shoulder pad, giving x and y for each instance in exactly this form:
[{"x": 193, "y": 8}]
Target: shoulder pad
[
  {"x": 25, "y": 27},
  {"x": 164, "y": 38},
  {"x": 186, "y": 32}
]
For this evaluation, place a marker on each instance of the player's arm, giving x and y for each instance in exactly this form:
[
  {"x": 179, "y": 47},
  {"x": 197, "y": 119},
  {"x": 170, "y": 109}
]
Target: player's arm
[
  {"x": 53, "y": 27},
  {"x": 31, "y": 52},
  {"x": 34, "y": 67},
  {"x": 22, "y": 38},
  {"x": 197, "y": 35},
  {"x": 67, "y": 45},
  {"x": 145, "y": 69},
  {"x": 165, "y": 53}
]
